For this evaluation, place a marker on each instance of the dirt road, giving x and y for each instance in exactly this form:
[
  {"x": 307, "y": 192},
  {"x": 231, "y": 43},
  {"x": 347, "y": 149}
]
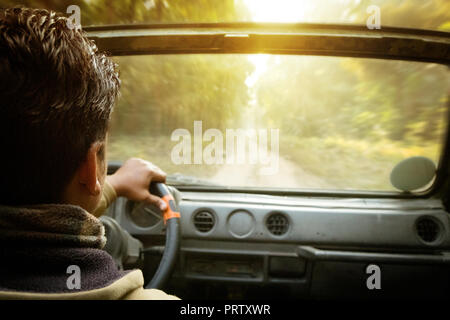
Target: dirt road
[{"x": 289, "y": 175}]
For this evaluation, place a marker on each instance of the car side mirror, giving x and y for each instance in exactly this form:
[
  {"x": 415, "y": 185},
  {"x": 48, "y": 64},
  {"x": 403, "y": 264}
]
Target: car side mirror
[{"x": 413, "y": 173}]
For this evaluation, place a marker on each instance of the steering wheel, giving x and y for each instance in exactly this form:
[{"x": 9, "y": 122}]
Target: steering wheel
[
  {"x": 171, "y": 219},
  {"x": 121, "y": 238}
]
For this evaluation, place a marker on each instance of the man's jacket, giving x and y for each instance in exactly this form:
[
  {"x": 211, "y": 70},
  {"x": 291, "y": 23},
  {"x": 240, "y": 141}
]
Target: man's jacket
[{"x": 54, "y": 251}]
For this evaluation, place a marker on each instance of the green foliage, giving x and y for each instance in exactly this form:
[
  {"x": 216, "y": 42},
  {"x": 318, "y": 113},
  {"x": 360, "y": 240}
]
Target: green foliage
[
  {"x": 351, "y": 97},
  {"x": 352, "y": 164},
  {"x": 99, "y": 12},
  {"x": 162, "y": 93}
]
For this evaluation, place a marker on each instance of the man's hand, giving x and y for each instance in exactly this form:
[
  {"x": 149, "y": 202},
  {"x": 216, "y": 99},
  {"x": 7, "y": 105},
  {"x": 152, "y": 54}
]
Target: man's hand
[{"x": 133, "y": 179}]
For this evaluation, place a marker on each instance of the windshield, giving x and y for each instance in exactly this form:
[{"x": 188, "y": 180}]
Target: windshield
[
  {"x": 422, "y": 14},
  {"x": 279, "y": 121}
]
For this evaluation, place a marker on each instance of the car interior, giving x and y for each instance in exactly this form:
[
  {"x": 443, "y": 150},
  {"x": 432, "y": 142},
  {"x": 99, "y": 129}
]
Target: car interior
[
  {"x": 269, "y": 243},
  {"x": 356, "y": 121}
]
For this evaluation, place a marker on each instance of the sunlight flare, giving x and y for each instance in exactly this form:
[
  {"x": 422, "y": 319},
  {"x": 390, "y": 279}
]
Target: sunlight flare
[{"x": 279, "y": 11}]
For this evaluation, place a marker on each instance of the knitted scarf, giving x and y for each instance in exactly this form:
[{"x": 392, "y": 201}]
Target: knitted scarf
[{"x": 39, "y": 243}]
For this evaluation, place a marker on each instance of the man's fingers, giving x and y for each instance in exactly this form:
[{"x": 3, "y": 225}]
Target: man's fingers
[
  {"x": 158, "y": 176},
  {"x": 157, "y": 201},
  {"x": 156, "y": 173}
]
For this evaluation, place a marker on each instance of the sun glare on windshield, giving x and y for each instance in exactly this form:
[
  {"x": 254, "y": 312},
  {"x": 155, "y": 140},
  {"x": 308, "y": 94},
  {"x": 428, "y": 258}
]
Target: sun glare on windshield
[{"x": 279, "y": 11}]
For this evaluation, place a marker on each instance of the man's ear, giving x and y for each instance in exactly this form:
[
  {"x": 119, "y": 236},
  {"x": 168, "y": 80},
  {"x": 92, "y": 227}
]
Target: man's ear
[{"x": 87, "y": 174}]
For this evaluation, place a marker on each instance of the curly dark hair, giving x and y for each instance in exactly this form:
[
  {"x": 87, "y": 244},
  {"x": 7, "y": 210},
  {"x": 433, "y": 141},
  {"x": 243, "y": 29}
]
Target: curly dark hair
[{"x": 57, "y": 92}]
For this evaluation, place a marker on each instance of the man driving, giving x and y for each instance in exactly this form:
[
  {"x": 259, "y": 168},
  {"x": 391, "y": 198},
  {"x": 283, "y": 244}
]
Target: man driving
[{"x": 57, "y": 92}]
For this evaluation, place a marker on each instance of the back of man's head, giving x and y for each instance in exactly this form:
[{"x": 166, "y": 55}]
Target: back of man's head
[{"x": 56, "y": 96}]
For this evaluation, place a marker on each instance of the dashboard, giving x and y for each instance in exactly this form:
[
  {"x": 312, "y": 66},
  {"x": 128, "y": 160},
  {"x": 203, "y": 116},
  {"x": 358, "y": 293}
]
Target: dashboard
[{"x": 237, "y": 245}]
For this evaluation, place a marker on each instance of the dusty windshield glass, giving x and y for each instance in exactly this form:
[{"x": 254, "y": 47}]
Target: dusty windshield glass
[{"x": 279, "y": 121}]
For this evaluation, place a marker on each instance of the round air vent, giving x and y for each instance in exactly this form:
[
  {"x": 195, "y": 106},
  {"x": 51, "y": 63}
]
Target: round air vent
[
  {"x": 277, "y": 224},
  {"x": 428, "y": 229},
  {"x": 204, "y": 221}
]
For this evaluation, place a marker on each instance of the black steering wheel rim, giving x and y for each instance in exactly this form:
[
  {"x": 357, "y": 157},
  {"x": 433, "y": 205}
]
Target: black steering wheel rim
[{"x": 173, "y": 234}]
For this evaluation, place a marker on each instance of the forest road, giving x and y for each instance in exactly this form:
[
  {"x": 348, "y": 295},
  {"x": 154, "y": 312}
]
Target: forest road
[{"x": 288, "y": 175}]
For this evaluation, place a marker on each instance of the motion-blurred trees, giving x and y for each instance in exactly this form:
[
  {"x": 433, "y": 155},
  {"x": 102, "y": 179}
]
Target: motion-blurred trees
[
  {"x": 162, "y": 93},
  {"x": 305, "y": 96},
  {"x": 100, "y": 12},
  {"x": 418, "y": 14},
  {"x": 355, "y": 98}
]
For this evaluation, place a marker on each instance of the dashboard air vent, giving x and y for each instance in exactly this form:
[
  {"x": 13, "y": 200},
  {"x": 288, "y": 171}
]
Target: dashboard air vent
[
  {"x": 204, "y": 221},
  {"x": 277, "y": 224},
  {"x": 428, "y": 229}
]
